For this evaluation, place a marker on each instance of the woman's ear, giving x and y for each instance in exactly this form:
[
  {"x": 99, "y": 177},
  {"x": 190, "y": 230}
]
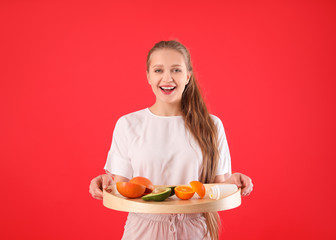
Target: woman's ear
[
  {"x": 147, "y": 74},
  {"x": 188, "y": 77}
]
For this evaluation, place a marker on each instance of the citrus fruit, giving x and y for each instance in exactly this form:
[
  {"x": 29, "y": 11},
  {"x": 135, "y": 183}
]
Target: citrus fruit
[
  {"x": 130, "y": 190},
  {"x": 143, "y": 181},
  {"x": 158, "y": 194},
  {"x": 184, "y": 192},
  {"x": 198, "y": 187}
]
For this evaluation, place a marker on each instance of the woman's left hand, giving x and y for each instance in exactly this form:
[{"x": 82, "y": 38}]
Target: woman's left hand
[{"x": 242, "y": 181}]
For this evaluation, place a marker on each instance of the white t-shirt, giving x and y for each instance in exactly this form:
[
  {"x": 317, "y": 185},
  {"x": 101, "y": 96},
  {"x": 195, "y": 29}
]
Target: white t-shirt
[{"x": 160, "y": 149}]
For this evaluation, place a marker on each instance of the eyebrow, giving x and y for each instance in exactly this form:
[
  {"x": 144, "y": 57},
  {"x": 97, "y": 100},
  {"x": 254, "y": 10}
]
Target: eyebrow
[{"x": 160, "y": 65}]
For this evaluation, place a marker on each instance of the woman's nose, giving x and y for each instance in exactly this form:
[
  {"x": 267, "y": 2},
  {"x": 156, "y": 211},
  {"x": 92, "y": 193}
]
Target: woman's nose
[{"x": 167, "y": 77}]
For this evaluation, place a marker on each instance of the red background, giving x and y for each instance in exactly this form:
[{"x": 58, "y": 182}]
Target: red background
[{"x": 70, "y": 69}]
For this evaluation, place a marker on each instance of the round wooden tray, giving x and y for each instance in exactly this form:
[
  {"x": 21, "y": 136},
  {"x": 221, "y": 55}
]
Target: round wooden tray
[{"x": 114, "y": 200}]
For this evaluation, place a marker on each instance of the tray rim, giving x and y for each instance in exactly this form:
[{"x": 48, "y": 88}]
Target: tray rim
[{"x": 114, "y": 202}]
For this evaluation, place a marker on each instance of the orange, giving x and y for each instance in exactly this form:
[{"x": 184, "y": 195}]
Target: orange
[
  {"x": 130, "y": 190},
  {"x": 184, "y": 192},
  {"x": 198, "y": 187},
  {"x": 143, "y": 181}
]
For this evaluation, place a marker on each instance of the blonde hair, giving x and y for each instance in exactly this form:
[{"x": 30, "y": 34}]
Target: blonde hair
[{"x": 199, "y": 122}]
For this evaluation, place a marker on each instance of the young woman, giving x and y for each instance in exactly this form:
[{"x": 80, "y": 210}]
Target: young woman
[{"x": 173, "y": 142}]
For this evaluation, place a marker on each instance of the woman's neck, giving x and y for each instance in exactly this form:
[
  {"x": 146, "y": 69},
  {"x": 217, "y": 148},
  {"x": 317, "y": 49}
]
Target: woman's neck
[{"x": 166, "y": 109}]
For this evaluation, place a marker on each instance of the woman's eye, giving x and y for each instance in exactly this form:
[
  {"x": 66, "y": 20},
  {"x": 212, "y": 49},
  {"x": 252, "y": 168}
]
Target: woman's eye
[
  {"x": 157, "y": 70},
  {"x": 177, "y": 70}
]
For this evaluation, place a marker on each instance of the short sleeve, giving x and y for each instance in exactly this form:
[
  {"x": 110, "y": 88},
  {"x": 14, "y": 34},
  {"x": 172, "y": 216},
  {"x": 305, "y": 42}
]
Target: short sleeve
[
  {"x": 224, "y": 161},
  {"x": 118, "y": 161}
]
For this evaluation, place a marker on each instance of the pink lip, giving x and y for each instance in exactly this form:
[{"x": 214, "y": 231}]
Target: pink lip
[{"x": 167, "y": 92}]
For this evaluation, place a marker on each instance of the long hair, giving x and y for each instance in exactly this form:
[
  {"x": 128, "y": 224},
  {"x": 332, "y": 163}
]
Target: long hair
[{"x": 198, "y": 121}]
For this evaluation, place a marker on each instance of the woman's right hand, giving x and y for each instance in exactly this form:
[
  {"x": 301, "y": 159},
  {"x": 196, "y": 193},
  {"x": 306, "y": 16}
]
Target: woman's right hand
[
  {"x": 102, "y": 182},
  {"x": 98, "y": 184}
]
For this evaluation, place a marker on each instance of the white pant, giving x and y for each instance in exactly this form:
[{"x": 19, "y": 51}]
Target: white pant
[{"x": 140, "y": 226}]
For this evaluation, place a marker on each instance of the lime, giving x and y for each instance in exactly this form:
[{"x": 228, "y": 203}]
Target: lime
[{"x": 158, "y": 194}]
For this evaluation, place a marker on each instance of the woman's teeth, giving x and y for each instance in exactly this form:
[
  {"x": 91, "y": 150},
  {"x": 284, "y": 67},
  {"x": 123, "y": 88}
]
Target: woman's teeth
[{"x": 167, "y": 88}]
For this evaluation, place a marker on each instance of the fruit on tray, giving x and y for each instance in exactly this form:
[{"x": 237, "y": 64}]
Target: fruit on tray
[
  {"x": 143, "y": 187},
  {"x": 184, "y": 192},
  {"x": 143, "y": 181},
  {"x": 172, "y": 190},
  {"x": 158, "y": 194},
  {"x": 130, "y": 190},
  {"x": 198, "y": 188}
]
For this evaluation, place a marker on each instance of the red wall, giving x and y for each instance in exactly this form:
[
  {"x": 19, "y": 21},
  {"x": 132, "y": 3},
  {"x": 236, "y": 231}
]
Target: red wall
[{"x": 70, "y": 69}]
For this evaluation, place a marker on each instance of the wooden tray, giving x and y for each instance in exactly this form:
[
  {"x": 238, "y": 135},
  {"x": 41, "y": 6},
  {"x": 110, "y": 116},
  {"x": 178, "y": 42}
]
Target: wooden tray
[{"x": 115, "y": 201}]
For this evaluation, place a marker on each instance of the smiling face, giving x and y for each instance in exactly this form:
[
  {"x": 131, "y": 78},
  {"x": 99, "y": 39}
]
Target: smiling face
[{"x": 167, "y": 75}]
